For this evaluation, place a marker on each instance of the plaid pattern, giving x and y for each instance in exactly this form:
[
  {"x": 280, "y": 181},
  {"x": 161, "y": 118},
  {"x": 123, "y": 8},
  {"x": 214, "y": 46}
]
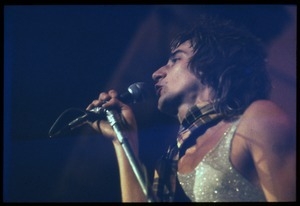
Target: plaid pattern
[
  {"x": 165, "y": 173},
  {"x": 195, "y": 118}
]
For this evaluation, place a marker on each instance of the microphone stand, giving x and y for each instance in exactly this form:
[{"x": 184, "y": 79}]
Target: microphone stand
[{"x": 112, "y": 118}]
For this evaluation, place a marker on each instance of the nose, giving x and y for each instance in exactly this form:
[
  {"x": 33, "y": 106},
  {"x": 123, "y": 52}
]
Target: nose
[{"x": 158, "y": 74}]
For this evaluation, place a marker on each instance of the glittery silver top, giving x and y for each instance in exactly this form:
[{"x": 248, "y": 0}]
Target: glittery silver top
[{"x": 215, "y": 179}]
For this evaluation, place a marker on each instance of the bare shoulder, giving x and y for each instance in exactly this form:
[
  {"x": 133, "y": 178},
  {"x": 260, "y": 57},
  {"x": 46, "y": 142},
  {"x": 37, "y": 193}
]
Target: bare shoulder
[
  {"x": 264, "y": 121},
  {"x": 267, "y": 135},
  {"x": 266, "y": 110}
]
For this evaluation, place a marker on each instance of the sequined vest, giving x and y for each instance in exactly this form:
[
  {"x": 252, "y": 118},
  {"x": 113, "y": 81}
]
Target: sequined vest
[{"x": 215, "y": 179}]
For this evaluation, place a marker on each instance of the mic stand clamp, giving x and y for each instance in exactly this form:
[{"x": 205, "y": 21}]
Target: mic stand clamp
[{"x": 112, "y": 118}]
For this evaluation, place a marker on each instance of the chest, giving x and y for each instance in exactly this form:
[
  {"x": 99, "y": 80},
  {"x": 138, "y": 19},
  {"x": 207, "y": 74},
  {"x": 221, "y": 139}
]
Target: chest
[
  {"x": 239, "y": 155},
  {"x": 195, "y": 154}
]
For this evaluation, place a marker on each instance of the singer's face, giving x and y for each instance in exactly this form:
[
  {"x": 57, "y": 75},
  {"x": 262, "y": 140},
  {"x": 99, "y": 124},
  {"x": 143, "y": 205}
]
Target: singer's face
[{"x": 176, "y": 86}]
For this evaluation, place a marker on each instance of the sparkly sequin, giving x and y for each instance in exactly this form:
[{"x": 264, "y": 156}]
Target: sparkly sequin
[{"x": 216, "y": 180}]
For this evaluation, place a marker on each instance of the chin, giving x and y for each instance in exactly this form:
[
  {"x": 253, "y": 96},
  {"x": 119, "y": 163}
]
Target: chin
[{"x": 167, "y": 107}]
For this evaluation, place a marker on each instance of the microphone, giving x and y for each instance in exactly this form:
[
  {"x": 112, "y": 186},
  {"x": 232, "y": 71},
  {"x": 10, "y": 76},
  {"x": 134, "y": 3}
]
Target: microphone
[{"x": 136, "y": 92}]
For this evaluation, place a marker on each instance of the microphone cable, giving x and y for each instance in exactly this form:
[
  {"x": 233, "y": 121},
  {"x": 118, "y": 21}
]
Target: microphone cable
[{"x": 57, "y": 127}]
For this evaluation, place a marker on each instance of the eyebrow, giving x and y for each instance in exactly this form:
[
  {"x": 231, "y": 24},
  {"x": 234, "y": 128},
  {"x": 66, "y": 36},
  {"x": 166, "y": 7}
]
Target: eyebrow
[{"x": 176, "y": 52}]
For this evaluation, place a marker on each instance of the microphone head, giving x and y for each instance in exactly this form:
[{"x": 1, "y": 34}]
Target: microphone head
[{"x": 139, "y": 91}]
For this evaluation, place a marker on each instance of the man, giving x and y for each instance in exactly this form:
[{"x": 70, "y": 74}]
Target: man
[{"x": 234, "y": 144}]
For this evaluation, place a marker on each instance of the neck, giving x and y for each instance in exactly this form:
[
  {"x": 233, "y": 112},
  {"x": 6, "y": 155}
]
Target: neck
[
  {"x": 183, "y": 109},
  {"x": 182, "y": 112}
]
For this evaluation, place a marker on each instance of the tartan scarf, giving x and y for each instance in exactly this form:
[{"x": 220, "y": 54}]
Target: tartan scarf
[{"x": 165, "y": 176}]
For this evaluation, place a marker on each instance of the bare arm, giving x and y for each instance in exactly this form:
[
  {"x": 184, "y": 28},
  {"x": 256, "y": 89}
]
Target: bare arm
[
  {"x": 272, "y": 146},
  {"x": 130, "y": 187}
]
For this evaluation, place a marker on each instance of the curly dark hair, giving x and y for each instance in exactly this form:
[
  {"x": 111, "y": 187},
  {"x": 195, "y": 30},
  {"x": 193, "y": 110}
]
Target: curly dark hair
[{"x": 229, "y": 59}]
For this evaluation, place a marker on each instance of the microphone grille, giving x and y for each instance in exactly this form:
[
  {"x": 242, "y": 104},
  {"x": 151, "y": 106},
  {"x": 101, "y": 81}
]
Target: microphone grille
[{"x": 138, "y": 91}]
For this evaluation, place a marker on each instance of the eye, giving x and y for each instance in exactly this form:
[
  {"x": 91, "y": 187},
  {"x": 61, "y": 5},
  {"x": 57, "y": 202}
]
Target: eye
[{"x": 174, "y": 59}]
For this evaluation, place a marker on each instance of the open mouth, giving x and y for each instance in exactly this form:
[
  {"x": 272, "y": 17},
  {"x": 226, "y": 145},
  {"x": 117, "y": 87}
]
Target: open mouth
[{"x": 158, "y": 89}]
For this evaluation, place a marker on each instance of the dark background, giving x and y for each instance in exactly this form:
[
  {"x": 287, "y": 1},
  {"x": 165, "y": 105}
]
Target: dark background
[{"x": 62, "y": 56}]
